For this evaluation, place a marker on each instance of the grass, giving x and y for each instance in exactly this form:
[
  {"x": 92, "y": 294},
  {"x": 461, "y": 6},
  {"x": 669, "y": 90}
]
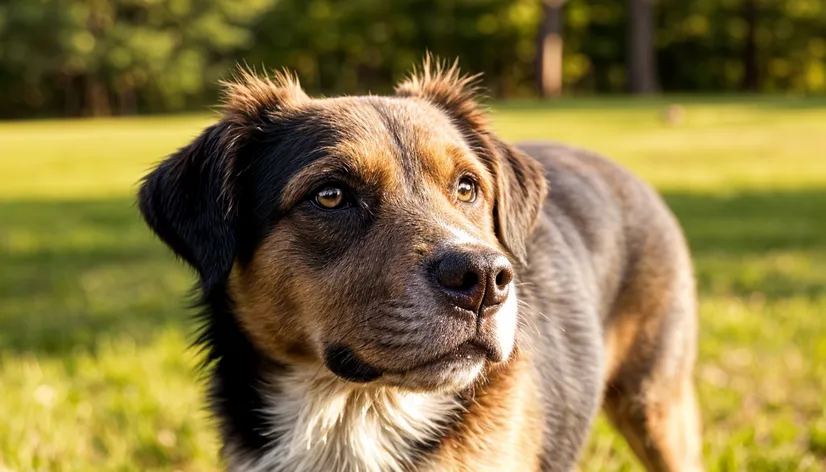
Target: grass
[{"x": 94, "y": 370}]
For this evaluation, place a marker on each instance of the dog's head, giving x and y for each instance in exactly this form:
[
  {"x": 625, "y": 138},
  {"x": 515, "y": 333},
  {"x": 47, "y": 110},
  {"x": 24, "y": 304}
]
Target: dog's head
[{"x": 376, "y": 236}]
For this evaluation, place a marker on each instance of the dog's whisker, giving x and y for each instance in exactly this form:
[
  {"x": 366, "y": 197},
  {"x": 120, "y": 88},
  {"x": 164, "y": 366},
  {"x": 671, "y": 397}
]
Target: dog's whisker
[{"x": 541, "y": 314}]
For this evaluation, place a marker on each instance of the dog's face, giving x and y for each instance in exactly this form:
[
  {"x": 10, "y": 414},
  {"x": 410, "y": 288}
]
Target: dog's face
[
  {"x": 382, "y": 258},
  {"x": 373, "y": 236}
]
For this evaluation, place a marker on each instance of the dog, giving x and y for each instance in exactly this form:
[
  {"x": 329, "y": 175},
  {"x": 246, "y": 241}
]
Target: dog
[{"x": 388, "y": 286}]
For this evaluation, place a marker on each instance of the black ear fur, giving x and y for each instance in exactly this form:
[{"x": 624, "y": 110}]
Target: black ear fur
[
  {"x": 520, "y": 180},
  {"x": 188, "y": 202},
  {"x": 189, "y": 199}
]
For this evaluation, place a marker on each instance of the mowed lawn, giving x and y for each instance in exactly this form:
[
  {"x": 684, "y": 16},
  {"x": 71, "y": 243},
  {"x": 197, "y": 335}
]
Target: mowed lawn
[{"x": 95, "y": 373}]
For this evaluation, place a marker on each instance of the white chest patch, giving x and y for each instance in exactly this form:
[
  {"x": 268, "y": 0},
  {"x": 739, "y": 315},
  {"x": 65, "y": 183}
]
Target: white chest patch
[{"x": 325, "y": 424}]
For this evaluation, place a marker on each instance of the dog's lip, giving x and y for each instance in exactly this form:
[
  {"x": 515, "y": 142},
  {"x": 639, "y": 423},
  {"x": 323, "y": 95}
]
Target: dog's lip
[{"x": 468, "y": 351}]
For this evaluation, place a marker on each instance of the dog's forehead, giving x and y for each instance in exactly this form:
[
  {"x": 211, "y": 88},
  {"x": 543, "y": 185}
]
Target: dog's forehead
[{"x": 406, "y": 135}]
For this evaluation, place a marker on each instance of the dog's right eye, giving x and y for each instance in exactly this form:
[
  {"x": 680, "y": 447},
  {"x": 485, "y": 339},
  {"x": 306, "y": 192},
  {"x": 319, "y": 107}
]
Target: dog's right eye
[
  {"x": 330, "y": 198},
  {"x": 466, "y": 190}
]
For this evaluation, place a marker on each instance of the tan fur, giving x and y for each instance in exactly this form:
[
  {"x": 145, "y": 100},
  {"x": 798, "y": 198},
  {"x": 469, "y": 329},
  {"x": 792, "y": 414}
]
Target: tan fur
[
  {"x": 649, "y": 340},
  {"x": 248, "y": 94},
  {"x": 279, "y": 300},
  {"x": 268, "y": 320},
  {"x": 662, "y": 427},
  {"x": 364, "y": 280},
  {"x": 445, "y": 85},
  {"x": 502, "y": 429},
  {"x": 619, "y": 340}
]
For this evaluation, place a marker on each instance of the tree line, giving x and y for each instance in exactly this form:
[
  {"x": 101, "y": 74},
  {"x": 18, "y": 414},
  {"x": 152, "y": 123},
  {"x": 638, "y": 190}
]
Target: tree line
[{"x": 101, "y": 57}]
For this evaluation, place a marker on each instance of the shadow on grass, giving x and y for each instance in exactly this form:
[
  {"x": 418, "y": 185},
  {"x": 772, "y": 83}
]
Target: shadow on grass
[
  {"x": 752, "y": 222},
  {"x": 75, "y": 273},
  {"x": 766, "y": 244}
]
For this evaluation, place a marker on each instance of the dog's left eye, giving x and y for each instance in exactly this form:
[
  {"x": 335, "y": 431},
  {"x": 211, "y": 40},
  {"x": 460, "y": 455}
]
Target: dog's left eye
[
  {"x": 329, "y": 198},
  {"x": 466, "y": 190}
]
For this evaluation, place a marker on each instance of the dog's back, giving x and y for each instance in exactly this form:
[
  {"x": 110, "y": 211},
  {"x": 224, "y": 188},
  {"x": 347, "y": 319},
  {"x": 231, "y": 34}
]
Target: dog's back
[{"x": 609, "y": 277}]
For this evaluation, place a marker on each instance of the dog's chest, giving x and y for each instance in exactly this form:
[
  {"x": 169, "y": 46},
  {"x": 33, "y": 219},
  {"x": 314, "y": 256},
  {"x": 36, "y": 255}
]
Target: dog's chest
[{"x": 327, "y": 424}]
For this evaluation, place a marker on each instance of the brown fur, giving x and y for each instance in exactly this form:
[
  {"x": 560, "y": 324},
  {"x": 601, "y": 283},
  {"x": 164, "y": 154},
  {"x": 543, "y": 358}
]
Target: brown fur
[
  {"x": 249, "y": 94},
  {"x": 502, "y": 430},
  {"x": 602, "y": 272}
]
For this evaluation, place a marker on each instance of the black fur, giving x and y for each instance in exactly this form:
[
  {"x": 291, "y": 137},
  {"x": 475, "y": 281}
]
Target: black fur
[
  {"x": 213, "y": 203},
  {"x": 343, "y": 362},
  {"x": 601, "y": 241},
  {"x": 185, "y": 200},
  {"x": 236, "y": 369}
]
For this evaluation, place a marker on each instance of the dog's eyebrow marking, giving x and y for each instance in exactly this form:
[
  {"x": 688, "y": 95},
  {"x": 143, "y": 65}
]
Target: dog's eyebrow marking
[
  {"x": 305, "y": 178},
  {"x": 456, "y": 152}
]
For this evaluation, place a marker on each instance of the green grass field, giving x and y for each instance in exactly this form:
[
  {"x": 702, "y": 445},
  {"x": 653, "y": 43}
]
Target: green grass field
[{"x": 94, "y": 368}]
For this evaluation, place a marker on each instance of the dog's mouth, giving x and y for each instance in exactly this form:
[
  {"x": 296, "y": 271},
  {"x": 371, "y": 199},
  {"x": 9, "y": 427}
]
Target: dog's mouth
[
  {"x": 470, "y": 355},
  {"x": 466, "y": 353}
]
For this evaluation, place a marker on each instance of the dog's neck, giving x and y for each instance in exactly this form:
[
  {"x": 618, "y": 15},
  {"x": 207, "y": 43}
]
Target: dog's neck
[{"x": 318, "y": 422}]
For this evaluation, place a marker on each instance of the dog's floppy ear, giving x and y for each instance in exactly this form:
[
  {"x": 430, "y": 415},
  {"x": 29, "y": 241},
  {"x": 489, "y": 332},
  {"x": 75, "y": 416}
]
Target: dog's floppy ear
[
  {"x": 521, "y": 190},
  {"x": 189, "y": 200},
  {"x": 520, "y": 182}
]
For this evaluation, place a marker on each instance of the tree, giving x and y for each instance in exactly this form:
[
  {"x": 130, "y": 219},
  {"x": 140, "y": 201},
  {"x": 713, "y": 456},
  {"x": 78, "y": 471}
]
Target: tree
[
  {"x": 642, "y": 67},
  {"x": 96, "y": 57},
  {"x": 549, "y": 49},
  {"x": 751, "y": 79}
]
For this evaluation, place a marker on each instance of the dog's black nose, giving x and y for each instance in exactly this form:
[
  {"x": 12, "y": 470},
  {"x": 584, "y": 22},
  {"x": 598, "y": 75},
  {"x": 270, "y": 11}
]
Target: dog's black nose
[{"x": 474, "y": 279}]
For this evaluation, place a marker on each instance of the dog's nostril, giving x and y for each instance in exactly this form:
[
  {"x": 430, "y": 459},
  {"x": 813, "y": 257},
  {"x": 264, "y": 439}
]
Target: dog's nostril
[
  {"x": 504, "y": 277},
  {"x": 456, "y": 272},
  {"x": 469, "y": 281}
]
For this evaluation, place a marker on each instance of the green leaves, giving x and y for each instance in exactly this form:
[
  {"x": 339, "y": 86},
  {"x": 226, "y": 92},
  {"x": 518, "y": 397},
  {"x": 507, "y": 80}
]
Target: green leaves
[
  {"x": 118, "y": 56},
  {"x": 75, "y": 57}
]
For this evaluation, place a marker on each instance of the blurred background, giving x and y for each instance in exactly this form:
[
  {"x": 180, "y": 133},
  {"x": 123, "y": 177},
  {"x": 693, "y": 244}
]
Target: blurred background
[
  {"x": 121, "y": 57},
  {"x": 720, "y": 104}
]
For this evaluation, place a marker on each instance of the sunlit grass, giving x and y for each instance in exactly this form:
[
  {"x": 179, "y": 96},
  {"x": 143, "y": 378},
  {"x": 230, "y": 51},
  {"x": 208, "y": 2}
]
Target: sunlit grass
[{"x": 94, "y": 370}]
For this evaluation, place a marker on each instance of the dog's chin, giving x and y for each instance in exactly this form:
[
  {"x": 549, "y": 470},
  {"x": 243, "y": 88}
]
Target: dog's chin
[{"x": 454, "y": 372}]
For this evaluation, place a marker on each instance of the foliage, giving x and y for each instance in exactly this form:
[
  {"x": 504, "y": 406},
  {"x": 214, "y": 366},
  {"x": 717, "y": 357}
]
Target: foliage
[
  {"x": 94, "y": 371},
  {"x": 75, "y": 57},
  {"x": 701, "y": 44},
  {"x": 369, "y": 44},
  {"x": 104, "y": 56}
]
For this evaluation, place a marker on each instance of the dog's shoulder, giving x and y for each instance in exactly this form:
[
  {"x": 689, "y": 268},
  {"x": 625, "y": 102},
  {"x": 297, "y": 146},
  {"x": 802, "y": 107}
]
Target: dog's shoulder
[
  {"x": 605, "y": 213},
  {"x": 584, "y": 183}
]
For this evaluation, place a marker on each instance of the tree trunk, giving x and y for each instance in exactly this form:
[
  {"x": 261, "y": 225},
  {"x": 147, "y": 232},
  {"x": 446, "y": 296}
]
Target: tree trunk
[
  {"x": 72, "y": 96},
  {"x": 751, "y": 76},
  {"x": 96, "y": 97},
  {"x": 642, "y": 66},
  {"x": 125, "y": 95},
  {"x": 126, "y": 100},
  {"x": 549, "y": 50}
]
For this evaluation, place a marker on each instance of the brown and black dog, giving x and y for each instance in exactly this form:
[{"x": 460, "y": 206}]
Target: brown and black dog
[{"x": 388, "y": 286}]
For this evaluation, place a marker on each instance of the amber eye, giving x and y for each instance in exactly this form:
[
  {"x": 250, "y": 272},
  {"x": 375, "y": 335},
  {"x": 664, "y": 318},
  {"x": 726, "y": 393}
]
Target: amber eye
[
  {"x": 329, "y": 198},
  {"x": 466, "y": 191}
]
